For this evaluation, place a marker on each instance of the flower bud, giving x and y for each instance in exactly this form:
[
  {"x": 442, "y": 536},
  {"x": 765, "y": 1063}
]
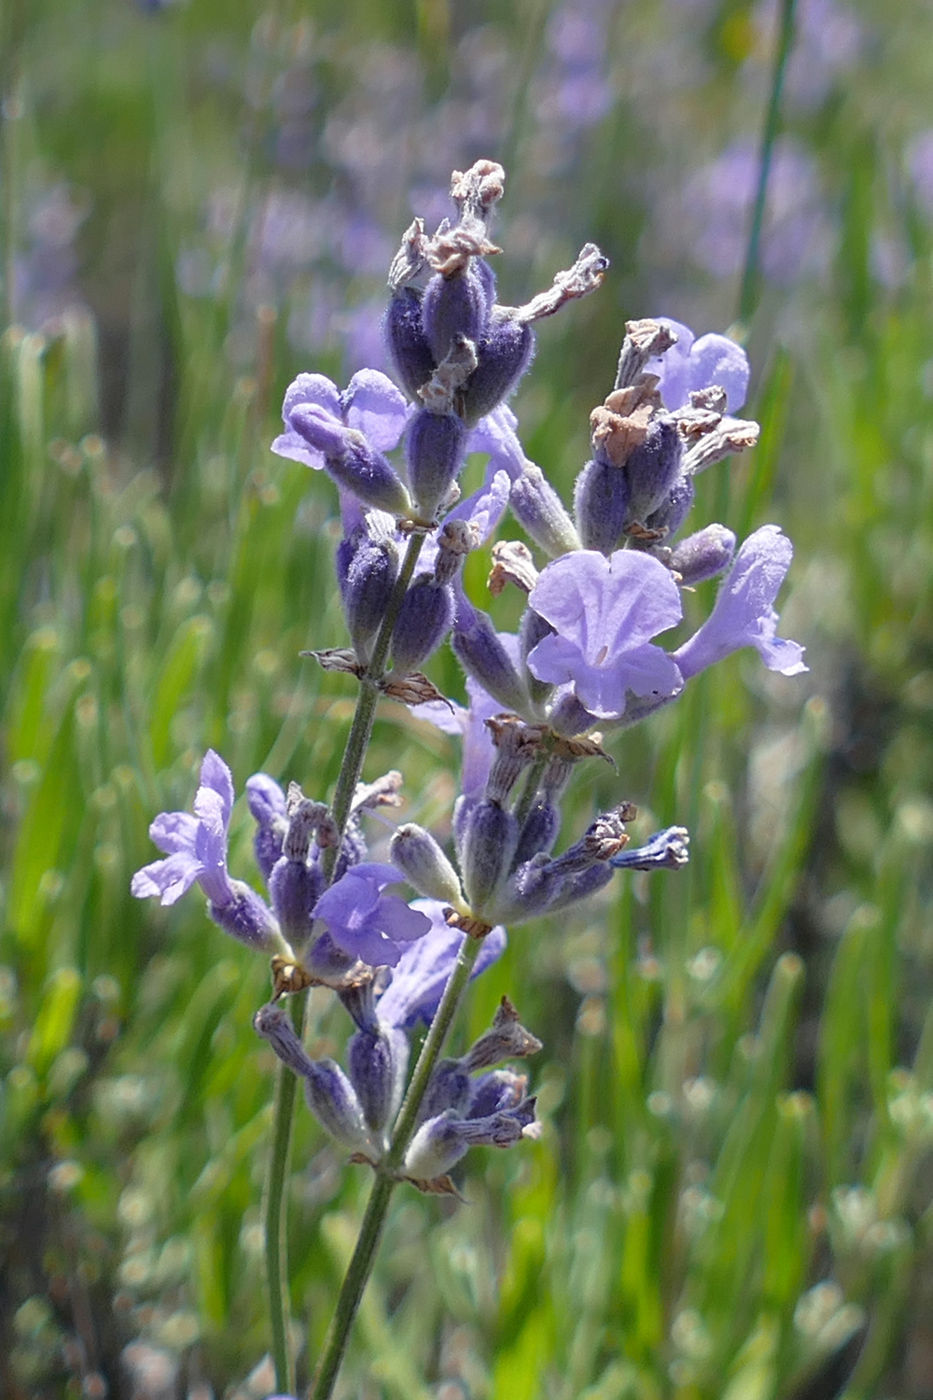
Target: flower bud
[
  {"x": 529, "y": 890},
  {"x": 533, "y": 629},
  {"x": 247, "y": 918},
  {"x": 330, "y": 1095},
  {"x": 504, "y": 354},
  {"x": 450, "y": 1086},
  {"x": 424, "y": 620},
  {"x": 351, "y": 460},
  {"x": 482, "y": 656},
  {"x": 673, "y": 511},
  {"x": 294, "y": 888},
  {"x": 426, "y": 868},
  {"x": 489, "y": 840},
  {"x": 665, "y": 850},
  {"x": 442, "y": 1141},
  {"x": 377, "y": 1061},
  {"x": 540, "y": 512},
  {"x": 367, "y": 590},
  {"x": 267, "y": 805},
  {"x": 601, "y": 505},
  {"x": 703, "y": 555},
  {"x": 407, "y": 343},
  {"x": 539, "y": 830},
  {"x": 452, "y": 306},
  {"x": 652, "y": 469},
  {"x": 435, "y": 455},
  {"x": 497, "y": 1091}
]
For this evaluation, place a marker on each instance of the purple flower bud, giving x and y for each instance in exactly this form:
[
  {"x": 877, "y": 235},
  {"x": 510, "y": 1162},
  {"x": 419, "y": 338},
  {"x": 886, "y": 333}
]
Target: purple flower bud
[
  {"x": 247, "y": 918},
  {"x": 452, "y": 306},
  {"x": 673, "y": 511},
  {"x": 408, "y": 345},
  {"x": 540, "y": 512},
  {"x": 703, "y": 555},
  {"x": 601, "y": 505},
  {"x": 442, "y": 1141},
  {"x": 435, "y": 446},
  {"x": 539, "y": 831},
  {"x": 294, "y": 888},
  {"x": 504, "y": 353},
  {"x": 489, "y": 840},
  {"x": 377, "y": 1061},
  {"x": 368, "y": 588},
  {"x": 665, "y": 850},
  {"x": 426, "y": 868},
  {"x": 652, "y": 469},
  {"x": 529, "y": 890},
  {"x": 424, "y": 620},
  {"x": 329, "y": 1093},
  {"x": 450, "y": 1086},
  {"x": 497, "y": 1091},
  {"x": 483, "y": 656},
  {"x": 267, "y": 804},
  {"x": 351, "y": 460},
  {"x": 580, "y": 886},
  {"x": 532, "y": 630}
]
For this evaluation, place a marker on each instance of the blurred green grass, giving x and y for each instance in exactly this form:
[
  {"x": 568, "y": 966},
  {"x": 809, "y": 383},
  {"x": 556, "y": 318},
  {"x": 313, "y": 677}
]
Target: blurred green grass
[{"x": 732, "y": 1194}]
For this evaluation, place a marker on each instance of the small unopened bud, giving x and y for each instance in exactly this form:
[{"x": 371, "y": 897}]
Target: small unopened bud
[
  {"x": 673, "y": 511},
  {"x": 489, "y": 840},
  {"x": 377, "y": 1060},
  {"x": 294, "y": 888},
  {"x": 424, "y": 620},
  {"x": 540, "y": 511},
  {"x": 442, "y": 1141},
  {"x": 539, "y": 831},
  {"x": 503, "y": 354},
  {"x": 601, "y": 505},
  {"x": 666, "y": 850},
  {"x": 425, "y": 866},
  {"x": 369, "y": 583},
  {"x": 407, "y": 343},
  {"x": 351, "y": 460},
  {"x": 482, "y": 656},
  {"x": 454, "y": 305},
  {"x": 517, "y": 747},
  {"x": 454, "y": 543},
  {"x": 703, "y": 555},
  {"x": 267, "y": 805},
  {"x": 435, "y": 455},
  {"x": 450, "y": 1086},
  {"x": 246, "y": 917},
  {"x": 330, "y": 1095},
  {"x": 652, "y": 469},
  {"x": 497, "y": 1091}
]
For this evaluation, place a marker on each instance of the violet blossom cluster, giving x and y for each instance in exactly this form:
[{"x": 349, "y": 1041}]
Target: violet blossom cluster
[{"x": 604, "y": 586}]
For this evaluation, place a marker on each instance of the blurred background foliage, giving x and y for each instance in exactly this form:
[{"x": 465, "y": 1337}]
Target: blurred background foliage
[{"x": 732, "y": 1196}]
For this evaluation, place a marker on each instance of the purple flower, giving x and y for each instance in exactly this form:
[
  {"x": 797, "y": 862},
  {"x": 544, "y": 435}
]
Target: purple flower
[
  {"x": 421, "y": 972},
  {"x": 692, "y": 364},
  {"x": 496, "y": 435},
  {"x": 367, "y": 923},
  {"x": 371, "y": 404},
  {"x": 605, "y": 612},
  {"x": 196, "y": 850},
  {"x": 743, "y": 615}
]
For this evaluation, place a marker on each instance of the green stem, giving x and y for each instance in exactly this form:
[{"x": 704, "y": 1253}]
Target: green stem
[
  {"x": 276, "y": 1244},
  {"x": 751, "y": 273},
  {"x": 365, "y": 714},
  {"x": 364, "y": 1254}
]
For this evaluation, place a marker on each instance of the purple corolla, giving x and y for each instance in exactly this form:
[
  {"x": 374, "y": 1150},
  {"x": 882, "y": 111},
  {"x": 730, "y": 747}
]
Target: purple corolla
[
  {"x": 196, "y": 850},
  {"x": 367, "y": 923},
  {"x": 744, "y": 613},
  {"x": 693, "y": 364},
  {"x": 421, "y": 973},
  {"x": 605, "y": 612},
  {"x": 371, "y": 404}
]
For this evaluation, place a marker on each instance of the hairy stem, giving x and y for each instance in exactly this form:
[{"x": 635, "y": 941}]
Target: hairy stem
[
  {"x": 750, "y": 276},
  {"x": 364, "y": 1254}
]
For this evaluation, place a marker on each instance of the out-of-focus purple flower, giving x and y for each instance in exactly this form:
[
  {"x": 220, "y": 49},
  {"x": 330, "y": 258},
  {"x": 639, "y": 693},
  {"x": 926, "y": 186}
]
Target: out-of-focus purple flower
[
  {"x": 693, "y": 364},
  {"x": 196, "y": 850},
  {"x": 420, "y": 974},
  {"x": 919, "y": 158},
  {"x": 744, "y": 613},
  {"x": 371, "y": 405},
  {"x": 709, "y": 220},
  {"x": 605, "y": 612},
  {"x": 367, "y": 923}
]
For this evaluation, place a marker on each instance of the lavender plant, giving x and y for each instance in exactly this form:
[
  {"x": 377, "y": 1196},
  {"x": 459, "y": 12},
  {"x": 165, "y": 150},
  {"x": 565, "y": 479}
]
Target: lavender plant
[{"x": 602, "y": 584}]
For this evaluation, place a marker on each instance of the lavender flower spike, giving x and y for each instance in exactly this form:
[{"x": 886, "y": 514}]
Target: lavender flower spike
[
  {"x": 605, "y": 612},
  {"x": 196, "y": 850},
  {"x": 366, "y": 923},
  {"x": 744, "y": 613}
]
